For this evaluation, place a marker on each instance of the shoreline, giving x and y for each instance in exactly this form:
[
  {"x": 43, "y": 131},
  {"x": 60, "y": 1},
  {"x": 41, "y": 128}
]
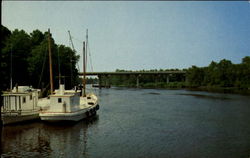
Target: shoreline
[{"x": 212, "y": 89}]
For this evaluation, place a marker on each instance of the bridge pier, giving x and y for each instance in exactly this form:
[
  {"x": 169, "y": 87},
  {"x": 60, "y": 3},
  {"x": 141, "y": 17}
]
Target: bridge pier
[
  {"x": 167, "y": 79},
  {"x": 103, "y": 81},
  {"x": 107, "y": 83},
  {"x": 156, "y": 77},
  {"x": 138, "y": 81},
  {"x": 104, "y": 76},
  {"x": 100, "y": 81}
]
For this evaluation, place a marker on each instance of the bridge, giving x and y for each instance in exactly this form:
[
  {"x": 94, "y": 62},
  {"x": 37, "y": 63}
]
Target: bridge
[{"x": 138, "y": 74}]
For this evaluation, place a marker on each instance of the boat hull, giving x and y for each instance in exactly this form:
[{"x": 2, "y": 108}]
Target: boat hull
[
  {"x": 12, "y": 119},
  {"x": 69, "y": 116}
]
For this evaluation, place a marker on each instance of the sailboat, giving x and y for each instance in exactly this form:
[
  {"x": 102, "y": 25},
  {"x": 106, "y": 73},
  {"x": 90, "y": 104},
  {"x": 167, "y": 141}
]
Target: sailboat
[{"x": 68, "y": 105}]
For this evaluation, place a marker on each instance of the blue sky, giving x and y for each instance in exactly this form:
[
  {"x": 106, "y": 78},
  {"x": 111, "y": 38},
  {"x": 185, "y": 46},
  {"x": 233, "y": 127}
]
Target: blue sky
[{"x": 141, "y": 35}]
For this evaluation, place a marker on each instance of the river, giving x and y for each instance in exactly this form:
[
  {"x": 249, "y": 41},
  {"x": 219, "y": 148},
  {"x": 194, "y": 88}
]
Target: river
[{"x": 142, "y": 123}]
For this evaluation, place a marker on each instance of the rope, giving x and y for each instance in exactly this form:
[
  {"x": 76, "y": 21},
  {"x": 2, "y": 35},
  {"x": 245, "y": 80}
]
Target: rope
[
  {"x": 89, "y": 54},
  {"x": 59, "y": 66},
  {"x": 91, "y": 65},
  {"x": 44, "y": 60},
  {"x": 71, "y": 43}
]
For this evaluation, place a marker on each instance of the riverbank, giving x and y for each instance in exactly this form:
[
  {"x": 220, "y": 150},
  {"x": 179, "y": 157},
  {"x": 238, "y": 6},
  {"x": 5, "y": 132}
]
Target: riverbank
[{"x": 183, "y": 85}]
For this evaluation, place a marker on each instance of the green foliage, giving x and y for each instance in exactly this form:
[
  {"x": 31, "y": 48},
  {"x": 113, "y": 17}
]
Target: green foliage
[
  {"x": 30, "y": 64},
  {"x": 222, "y": 74},
  {"x": 148, "y": 81},
  {"x": 31, "y": 67},
  {"x": 4, "y": 71}
]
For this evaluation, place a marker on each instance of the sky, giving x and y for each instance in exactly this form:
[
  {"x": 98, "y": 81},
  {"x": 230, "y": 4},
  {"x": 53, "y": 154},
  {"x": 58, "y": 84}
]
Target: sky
[{"x": 143, "y": 34}]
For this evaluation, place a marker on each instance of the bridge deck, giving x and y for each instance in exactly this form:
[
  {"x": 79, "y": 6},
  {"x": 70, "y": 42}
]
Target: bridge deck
[{"x": 133, "y": 73}]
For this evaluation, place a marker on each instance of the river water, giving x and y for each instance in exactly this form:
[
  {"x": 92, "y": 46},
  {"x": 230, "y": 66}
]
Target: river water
[{"x": 142, "y": 123}]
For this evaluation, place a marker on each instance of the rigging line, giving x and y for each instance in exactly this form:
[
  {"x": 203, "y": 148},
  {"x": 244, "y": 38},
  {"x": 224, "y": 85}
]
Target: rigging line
[
  {"x": 59, "y": 66},
  {"x": 76, "y": 39},
  {"x": 91, "y": 65},
  {"x": 72, "y": 44},
  {"x": 44, "y": 60},
  {"x": 90, "y": 59},
  {"x": 71, "y": 60},
  {"x": 78, "y": 67}
]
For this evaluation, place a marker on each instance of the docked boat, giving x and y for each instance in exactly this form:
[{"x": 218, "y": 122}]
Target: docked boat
[
  {"x": 68, "y": 105},
  {"x": 19, "y": 105}
]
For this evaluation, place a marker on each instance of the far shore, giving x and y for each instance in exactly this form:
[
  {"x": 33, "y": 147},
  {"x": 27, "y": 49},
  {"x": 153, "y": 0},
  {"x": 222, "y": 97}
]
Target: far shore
[{"x": 213, "y": 89}]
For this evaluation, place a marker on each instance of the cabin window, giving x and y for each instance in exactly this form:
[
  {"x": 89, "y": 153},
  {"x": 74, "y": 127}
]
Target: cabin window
[
  {"x": 30, "y": 97},
  {"x": 59, "y": 100},
  {"x": 24, "y": 99}
]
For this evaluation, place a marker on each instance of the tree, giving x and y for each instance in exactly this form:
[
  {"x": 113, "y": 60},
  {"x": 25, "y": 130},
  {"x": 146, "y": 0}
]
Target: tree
[
  {"x": 4, "y": 58},
  {"x": 195, "y": 76},
  {"x": 30, "y": 59}
]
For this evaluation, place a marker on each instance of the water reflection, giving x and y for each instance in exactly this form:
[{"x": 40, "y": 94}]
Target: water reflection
[
  {"x": 206, "y": 96},
  {"x": 47, "y": 140},
  {"x": 141, "y": 123},
  {"x": 1, "y": 140}
]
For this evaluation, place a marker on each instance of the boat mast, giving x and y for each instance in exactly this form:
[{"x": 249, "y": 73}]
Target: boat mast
[
  {"x": 71, "y": 67},
  {"x": 86, "y": 55},
  {"x": 11, "y": 68},
  {"x": 85, "y": 64},
  {"x": 84, "y": 72},
  {"x": 50, "y": 65}
]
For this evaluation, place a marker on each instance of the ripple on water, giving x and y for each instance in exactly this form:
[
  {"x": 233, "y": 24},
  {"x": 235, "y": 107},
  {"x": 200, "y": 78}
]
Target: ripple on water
[{"x": 142, "y": 123}]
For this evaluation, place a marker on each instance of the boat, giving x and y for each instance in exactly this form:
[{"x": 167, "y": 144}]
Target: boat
[
  {"x": 69, "y": 105},
  {"x": 20, "y": 104}
]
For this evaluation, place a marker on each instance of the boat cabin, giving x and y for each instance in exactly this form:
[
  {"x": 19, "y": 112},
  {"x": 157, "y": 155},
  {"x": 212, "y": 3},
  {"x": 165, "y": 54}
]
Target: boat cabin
[
  {"x": 64, "y": 100},
  {"x": 20, "y": 99}
]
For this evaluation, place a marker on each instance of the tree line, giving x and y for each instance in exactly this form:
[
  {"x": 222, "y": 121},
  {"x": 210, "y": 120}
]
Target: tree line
[
  {"x": 27, "y": 54},
  {"x": 25, "y": 57},
  {"x": 147, "y": 81},
  {"x": 223, "y": 74}
]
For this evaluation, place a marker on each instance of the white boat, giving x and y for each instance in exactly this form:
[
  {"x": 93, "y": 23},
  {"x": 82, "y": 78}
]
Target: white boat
[
  {"x": 68, "y": 105},
  {"x": 20, "y": 104}
]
